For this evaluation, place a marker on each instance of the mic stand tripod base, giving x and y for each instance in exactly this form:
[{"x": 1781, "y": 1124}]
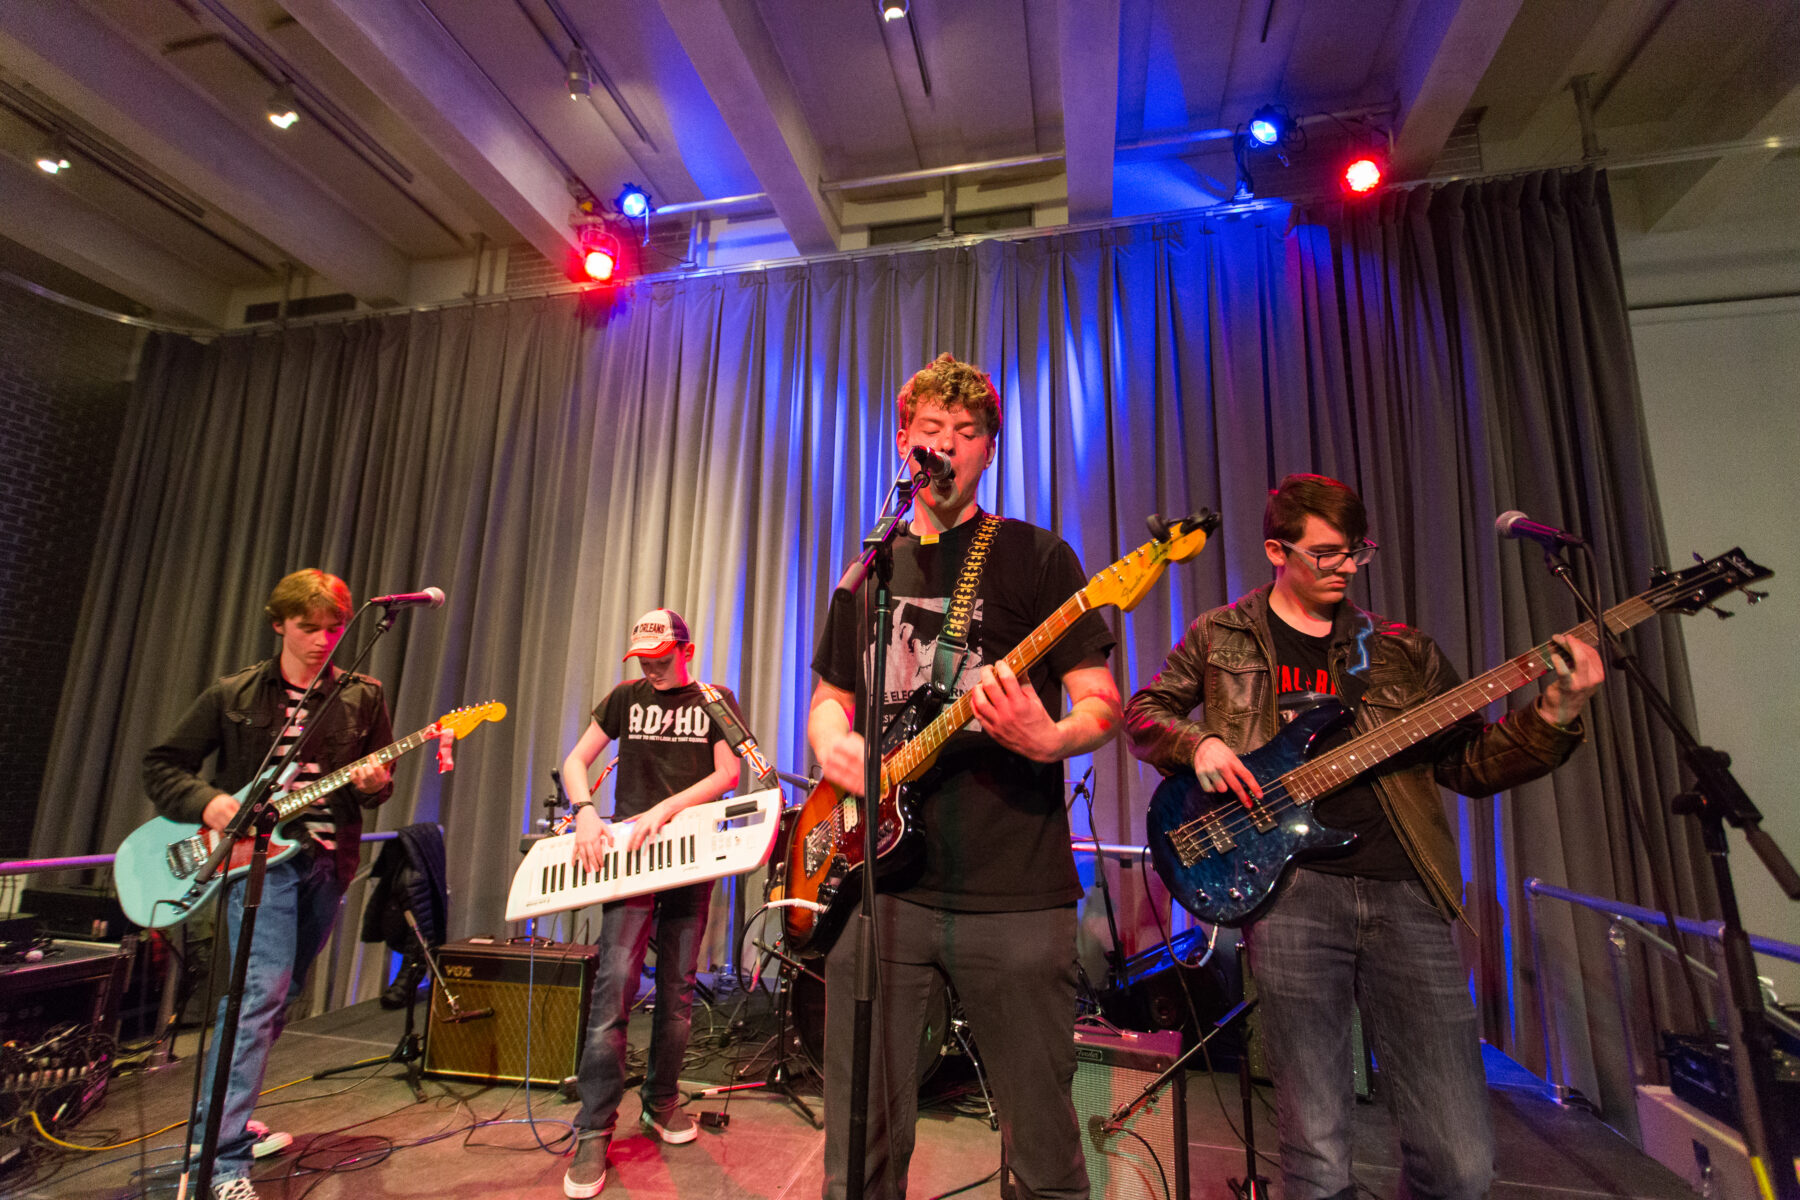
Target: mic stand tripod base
[{"x": 779, "y": 1079}]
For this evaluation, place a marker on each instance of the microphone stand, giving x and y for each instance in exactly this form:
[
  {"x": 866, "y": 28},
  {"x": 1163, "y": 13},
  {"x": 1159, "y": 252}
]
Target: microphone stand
[
  {"x": 258, "y": 813},
  {"x": 1716, "y": 798},
  {"x": 410, "y": 1052},
  {"x": 1115, "y": 954},
  {"x": 877, "y": 556},
  {"x": 780, "y": 1078}
]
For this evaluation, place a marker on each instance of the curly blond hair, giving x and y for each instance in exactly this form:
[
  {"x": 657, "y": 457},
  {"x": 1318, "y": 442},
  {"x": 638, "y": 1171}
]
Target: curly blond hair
[{"x": 954, "y": 384}]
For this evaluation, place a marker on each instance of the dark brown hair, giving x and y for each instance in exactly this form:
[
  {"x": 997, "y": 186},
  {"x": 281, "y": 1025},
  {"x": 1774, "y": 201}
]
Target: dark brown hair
[
  {"x": 306, "y": 592},
  {"x": 1301, "y": 496},
  {"x": 954, "y": 384}
]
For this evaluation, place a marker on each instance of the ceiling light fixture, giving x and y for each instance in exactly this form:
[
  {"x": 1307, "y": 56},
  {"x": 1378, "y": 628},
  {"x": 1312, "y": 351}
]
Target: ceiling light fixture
[
  {"x": 282, "y": 109},
  {"x": 55, "y": 157},
  {"x": 893, "y": 10},
  {"x": 634, "y": 202},
  {"x": 1270, "y": 125},
  {"x": 599, "y": 253},
  {"x": 1363, "y": 173},
  {"x": 581, "y": 80}
]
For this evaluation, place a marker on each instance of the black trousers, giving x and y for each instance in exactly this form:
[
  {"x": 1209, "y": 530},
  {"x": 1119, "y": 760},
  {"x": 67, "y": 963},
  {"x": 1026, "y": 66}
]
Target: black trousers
[{"x": 1015, "y": 976}]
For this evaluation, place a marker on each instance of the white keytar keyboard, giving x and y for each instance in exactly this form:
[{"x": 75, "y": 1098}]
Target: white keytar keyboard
[{"x": 707, "y": 841}]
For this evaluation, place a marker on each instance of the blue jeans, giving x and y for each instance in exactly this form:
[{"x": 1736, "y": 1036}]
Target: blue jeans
[
  {"x": 679, "y": 915},
  {"x": 1327, "y": 940},
  {"x": 299, "y": 904}
]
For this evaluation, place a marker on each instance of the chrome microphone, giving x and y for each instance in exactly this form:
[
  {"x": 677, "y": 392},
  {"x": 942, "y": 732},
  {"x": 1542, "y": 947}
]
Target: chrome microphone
[
  {"x": 934, "y": 466},
  {"x": 429, "y": 598},
  {"x": 1515, "y": 524}
]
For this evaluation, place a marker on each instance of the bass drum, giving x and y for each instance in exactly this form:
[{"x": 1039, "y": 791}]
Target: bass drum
[{"x": 807, "y": 1010}]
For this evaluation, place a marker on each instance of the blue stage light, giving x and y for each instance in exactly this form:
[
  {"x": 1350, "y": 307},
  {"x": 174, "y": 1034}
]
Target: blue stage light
[
  {"x": 1268, "y": 125},
  {"x": 634, "y": 202}
]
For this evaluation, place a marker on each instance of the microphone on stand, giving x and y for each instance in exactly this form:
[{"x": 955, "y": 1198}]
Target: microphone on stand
[
  {"x": 429, "y": 598},
  {"x": 1515, "y": 524},
  {"x": 934, "y": 466},
  {"x": 473, "y": 1014}
]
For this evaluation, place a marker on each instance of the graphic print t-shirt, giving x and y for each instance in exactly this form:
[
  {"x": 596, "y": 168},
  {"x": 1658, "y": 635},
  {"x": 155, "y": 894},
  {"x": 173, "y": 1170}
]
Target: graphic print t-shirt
[
  {"x": 665, "y": 741},
  {"x": 1302, "y": 681},
  {"x": 994, "y": 824}
]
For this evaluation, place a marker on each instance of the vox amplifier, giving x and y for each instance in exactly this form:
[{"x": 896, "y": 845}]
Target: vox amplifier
[{"x": 538, "y": 995}]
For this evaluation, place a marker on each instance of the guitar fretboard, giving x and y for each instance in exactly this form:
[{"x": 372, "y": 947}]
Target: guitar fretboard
[
  {"x": 917, "y": 754},
  {"x": 323, "y": 786},
  {"x": 1330, "y": 771}
]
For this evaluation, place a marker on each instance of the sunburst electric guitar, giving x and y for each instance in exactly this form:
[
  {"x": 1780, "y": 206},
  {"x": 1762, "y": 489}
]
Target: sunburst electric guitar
[
  {"x": 825, "y": 847},
  {"x": 1222, "y": 860},
  {"x": 154, "y": 868}
]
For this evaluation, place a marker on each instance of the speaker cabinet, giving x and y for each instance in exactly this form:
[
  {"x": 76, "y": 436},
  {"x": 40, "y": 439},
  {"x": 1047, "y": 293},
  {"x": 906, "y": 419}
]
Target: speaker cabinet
[
  {"x": 542, "y": 991},
  {"x": 1112, "y": 1070}
]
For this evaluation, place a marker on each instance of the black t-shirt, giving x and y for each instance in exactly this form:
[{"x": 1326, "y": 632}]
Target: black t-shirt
[
  {"x": 665, "y": 741},
  {"x": 995, "y": 825},
  {"x": 1302, "y": 680}
]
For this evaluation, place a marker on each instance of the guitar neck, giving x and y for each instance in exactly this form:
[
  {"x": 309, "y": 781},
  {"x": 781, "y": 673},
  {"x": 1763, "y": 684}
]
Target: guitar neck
[
  {"x": 1330, "y": 771},
  {"x": 917, "y": 754},
  {"x": 323, "y": 786}
]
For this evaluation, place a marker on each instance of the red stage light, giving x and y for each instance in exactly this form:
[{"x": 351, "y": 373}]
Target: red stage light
[
  {"x": 599, "y": 254},
  {"x": 1362, "y": 174}
]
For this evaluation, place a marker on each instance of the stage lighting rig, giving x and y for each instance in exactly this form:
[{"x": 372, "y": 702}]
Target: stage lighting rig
[
  {"x": 282, "y": 108},
  {"x": 634, "y": 202},
  {"x": 1363, "y": 173},
  {"x": 599, "y": 253},
  {"x": 1270, "y": 126},
  {"x": 893, "y": 10}
]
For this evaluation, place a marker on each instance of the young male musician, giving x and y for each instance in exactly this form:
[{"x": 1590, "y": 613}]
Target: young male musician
[
  {"x": 990, "y": 905},
  {"x": 1372, "y": 923},
  {"x": 238, "y": 718},
  {"x": 672, "y": 756}
]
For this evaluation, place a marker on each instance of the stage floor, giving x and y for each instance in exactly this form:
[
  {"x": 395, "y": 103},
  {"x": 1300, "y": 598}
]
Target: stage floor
[{"x": 360, "y": 1136}]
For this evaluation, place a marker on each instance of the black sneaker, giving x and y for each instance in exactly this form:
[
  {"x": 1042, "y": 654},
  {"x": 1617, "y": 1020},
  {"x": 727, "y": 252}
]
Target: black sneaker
[
  {"x": 673, "y": 1126},
  {"x": 587, "y": 1173}
]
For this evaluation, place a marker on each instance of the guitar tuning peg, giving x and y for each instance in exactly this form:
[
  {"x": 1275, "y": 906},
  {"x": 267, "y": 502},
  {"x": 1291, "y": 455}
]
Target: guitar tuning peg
[
  {"x": 1697, "y": 557},
  {"x": 1721, "y": 613},
  {"x": 1756, "y": 597},
  {"x": 1159, "y": 528}
]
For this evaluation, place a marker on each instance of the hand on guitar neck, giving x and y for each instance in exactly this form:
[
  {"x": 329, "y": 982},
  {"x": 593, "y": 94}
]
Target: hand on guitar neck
[
  {"x": 367, "y": 777},
  {"x": 1578, "y": 676}
]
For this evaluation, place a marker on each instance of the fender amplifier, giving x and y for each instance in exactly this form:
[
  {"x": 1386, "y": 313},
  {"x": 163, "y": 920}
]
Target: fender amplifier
[
  {"x": 538, "y": 993},
  {"x": 1112, "y": 1070}
]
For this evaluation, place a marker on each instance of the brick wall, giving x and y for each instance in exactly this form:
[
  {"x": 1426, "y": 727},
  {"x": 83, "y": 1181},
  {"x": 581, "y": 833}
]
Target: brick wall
[{"x": 63, "y": 393}]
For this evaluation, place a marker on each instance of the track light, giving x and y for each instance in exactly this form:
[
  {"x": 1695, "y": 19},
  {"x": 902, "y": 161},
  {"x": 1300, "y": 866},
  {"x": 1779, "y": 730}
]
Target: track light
[
  {"x": 634, "y": 202},
  {"x": 893, "y": 10},
  {"x": 599, "y": 253},
  {"x": 1362, "y": 174},
  {"x": 282, "y": 109},
  {"x": 581, "y": 81},
  {"x": 55, "y": 157}
]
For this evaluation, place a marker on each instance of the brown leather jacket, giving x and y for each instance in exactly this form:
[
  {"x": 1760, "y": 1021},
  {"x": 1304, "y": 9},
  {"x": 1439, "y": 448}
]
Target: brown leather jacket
[{"x": 1221, "y": 666}]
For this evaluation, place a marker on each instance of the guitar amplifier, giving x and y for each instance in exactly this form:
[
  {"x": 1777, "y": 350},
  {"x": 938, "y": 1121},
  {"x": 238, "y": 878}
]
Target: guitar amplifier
[
  {"x": 1112, "y": 1070},
  {"x": 541, "y": 993}
]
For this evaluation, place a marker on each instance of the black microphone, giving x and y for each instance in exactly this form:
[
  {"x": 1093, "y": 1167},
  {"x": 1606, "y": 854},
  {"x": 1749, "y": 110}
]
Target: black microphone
[
  {"x": 1515, "y": 524},
  {"x": 429, "y": 598},
  {"x": 934, "y": 466}
]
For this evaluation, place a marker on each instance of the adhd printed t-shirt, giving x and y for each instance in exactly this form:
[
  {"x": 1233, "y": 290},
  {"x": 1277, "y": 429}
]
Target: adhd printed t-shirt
[{"x": 665, "y": 741}]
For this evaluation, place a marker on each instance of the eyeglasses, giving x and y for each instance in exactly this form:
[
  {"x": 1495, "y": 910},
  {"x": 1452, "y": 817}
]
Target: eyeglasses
[{"x": 1333, "y": 560}]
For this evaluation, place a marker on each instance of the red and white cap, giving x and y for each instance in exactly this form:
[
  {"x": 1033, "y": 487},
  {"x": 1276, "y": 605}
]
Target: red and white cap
[{"x": 656, "y": 633}]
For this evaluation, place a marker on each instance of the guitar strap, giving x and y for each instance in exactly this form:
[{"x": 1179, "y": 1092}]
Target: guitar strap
[
  {"x": 742, "y": 744},
  {"x": 953, "y": 642}
]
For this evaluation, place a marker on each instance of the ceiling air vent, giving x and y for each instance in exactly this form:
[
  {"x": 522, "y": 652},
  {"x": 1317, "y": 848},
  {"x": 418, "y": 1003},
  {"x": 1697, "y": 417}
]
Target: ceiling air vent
[{"x": 306, "y": 306}]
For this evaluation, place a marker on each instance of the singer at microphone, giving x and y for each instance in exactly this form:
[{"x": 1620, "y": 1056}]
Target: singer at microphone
[
  {"x": 933, "y": 465},
  {"x": 429, "y": 598}
]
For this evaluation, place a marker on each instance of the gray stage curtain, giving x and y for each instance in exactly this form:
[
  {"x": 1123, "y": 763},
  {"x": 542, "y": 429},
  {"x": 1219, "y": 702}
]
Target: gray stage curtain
[{"x": 719, "y": 445}]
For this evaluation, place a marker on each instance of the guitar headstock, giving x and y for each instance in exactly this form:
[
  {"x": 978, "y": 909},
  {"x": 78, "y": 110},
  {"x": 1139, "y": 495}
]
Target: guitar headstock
[
  {"x": 463, "y": 720},
  {"x": 1689, "y": 591},
  {"x": 1127, "y": 581}
]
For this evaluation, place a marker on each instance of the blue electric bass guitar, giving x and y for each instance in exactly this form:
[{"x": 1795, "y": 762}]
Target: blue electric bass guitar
[
  {"x": 1221, "y": 860},
  {"x": 154, "y": 868}
]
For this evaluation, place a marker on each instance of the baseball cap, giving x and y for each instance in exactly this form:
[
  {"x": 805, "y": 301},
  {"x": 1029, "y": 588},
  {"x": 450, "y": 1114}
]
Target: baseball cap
[{"x": 656, "y": 633}]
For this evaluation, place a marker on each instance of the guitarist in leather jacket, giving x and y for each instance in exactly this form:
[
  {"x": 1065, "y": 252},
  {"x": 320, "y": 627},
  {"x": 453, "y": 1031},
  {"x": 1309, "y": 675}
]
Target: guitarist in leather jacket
[
  {"x": 989, "y": 905},
  {"x": 237, "y": 718},
  {"x": 1371, "y": 925}
]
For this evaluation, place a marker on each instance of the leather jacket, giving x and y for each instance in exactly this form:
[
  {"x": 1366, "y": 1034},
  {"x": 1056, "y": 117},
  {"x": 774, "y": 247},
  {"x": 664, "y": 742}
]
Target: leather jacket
[
  {"x": 238, "y": 717},
  {"x": 1222, "y": 667}
]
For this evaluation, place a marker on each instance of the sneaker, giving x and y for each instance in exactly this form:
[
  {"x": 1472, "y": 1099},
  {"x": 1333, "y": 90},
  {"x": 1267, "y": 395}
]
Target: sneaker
[
  {"x": 235, "y": 1188},
  {"x": 587, "y": 1173},
  {"x": 267, "y": 1142},
  {"x": 673, "y": 1126}
]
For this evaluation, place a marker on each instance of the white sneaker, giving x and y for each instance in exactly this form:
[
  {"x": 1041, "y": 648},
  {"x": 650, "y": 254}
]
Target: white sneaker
[{"x": 235, "y": 1188}]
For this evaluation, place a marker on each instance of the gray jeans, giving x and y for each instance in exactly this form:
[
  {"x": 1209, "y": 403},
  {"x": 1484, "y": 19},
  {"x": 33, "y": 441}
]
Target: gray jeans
[{"x": 1014, "y": 974}]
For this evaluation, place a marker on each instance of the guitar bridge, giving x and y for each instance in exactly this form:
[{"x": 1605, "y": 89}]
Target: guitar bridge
[
  {"x": 186, "y": 856},
  {"x": 1203, "y": 836}
]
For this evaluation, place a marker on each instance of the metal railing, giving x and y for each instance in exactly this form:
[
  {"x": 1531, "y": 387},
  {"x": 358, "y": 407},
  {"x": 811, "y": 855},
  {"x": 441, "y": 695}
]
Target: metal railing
[{"x": 1626, "y": 921}]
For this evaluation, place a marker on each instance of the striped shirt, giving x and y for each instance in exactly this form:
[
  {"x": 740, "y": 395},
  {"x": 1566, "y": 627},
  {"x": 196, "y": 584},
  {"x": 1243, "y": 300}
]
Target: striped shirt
[{"x": 316, "y": 817}]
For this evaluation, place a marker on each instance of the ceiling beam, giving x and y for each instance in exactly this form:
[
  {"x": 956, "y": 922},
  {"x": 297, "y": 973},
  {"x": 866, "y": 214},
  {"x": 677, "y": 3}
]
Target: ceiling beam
[
  {"x": 46, "y": 218},
  {"x": 1087, "y": 53},
  {"x": 1448, "y": 49},
  {"x": 735, "y": 57},
  {"x": 95, "y": 72},
  {"x": 408, "y": 59}
]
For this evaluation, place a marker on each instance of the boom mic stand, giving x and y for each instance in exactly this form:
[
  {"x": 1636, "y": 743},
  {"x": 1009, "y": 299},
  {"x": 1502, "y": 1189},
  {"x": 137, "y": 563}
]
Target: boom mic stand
[
  {"x": 780, "y": 1078},
  {"x": 258, "y": 815},
  {"x": 1717, "y": 797},
  {"x": 878, "y": 556},
  {"x": 410, "y": 1052}
]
